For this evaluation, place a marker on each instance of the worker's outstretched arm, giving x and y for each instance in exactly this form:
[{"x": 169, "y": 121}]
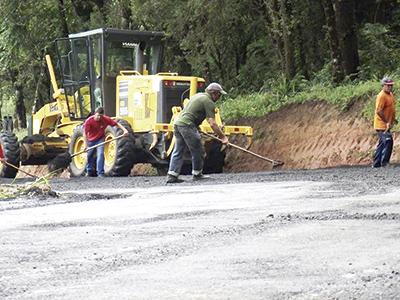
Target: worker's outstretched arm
[
  {"x": 217, "y": 130},
  {"x": 125, "y": 131}
]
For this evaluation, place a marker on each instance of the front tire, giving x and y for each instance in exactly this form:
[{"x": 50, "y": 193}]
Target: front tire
[
  {"x": 77, "y": 166},
  {"x": 119, "y": 155},
  {"x": 10, "y": 149}
]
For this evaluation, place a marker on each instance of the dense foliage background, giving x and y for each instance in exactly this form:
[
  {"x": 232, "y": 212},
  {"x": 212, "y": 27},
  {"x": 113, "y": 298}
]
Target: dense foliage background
[{"x": 265, "y": 52}]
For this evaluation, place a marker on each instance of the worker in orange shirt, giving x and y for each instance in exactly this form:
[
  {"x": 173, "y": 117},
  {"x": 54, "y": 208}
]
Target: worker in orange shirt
[{"x": 384, "y": 119}]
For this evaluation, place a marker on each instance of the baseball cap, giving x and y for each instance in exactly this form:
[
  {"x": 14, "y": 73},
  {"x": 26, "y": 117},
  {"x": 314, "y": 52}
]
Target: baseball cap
[
  {"x": 215, "y": 87},
  {"x": 387, "y": 81}
]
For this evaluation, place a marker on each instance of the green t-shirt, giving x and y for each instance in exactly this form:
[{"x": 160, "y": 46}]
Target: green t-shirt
[{"x": 199, "y": 107}]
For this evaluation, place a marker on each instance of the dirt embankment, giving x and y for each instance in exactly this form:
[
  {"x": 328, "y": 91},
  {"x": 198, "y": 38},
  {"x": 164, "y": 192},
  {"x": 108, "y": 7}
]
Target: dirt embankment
[{"x": 309, "y": 136}]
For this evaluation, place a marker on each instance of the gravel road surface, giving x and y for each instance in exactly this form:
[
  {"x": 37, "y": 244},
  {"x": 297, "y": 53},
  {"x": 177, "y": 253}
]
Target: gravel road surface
[{"x": 321, "y": 234}]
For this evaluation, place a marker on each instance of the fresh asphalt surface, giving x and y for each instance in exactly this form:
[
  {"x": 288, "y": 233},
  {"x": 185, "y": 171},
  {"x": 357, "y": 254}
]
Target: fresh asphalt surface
[{"x": 312, "y": 234}]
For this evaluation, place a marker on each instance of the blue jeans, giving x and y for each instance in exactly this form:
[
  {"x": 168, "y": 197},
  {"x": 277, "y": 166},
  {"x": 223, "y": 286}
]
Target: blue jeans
[
  {"x": 100, "y": 158},
  {"x": 186, "y": 137},
  {"x": 384, "y": 149}
]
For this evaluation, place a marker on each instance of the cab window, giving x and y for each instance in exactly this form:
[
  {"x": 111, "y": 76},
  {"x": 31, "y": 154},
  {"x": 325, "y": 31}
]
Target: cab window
[{"x": 120, "y": 56}]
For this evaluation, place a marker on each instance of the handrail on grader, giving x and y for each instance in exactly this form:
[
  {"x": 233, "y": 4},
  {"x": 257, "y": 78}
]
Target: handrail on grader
[{"x": 129, "y": 72}]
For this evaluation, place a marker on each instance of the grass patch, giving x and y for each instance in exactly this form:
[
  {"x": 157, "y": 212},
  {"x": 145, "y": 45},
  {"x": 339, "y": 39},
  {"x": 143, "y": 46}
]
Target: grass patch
[
  {"x": 260, "y": 104},
  {"x": 40, "y": 187}
]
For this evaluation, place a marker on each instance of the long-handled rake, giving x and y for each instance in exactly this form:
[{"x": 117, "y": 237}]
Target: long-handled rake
[
  {"x": 275, "y": 163},
  {"x": 15, "y": 167}
]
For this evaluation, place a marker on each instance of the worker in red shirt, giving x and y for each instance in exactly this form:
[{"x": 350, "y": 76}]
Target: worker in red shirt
[{"x": 94, "y": 132}]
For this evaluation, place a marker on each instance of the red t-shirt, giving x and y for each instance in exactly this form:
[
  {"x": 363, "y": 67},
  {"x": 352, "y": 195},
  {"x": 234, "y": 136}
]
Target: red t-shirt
[{"x": 95, "y": 130}]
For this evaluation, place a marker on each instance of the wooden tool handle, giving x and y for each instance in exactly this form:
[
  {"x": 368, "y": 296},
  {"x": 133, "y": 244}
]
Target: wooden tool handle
[
  {"x": 95, "y": 146},
  {"x": 15, "y": 167},
  {"x": 274, "y": 162}
]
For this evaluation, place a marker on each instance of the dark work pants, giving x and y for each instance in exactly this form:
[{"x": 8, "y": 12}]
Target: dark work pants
[
  {"x": 384, "y": 149},
  {"x": 186, "y": 137}
]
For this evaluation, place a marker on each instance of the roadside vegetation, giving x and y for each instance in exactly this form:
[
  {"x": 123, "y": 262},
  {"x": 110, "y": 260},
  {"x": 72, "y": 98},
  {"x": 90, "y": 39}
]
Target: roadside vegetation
[
  {"x": 259, "y": 104},
  {"x": 262, "y": 103},
  {"x": 39, "y": 187},
  {"x": 267, "y": 54}
]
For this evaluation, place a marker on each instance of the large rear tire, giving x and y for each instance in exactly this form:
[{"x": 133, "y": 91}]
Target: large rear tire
[
  {"x": 77, "y": 166},
  {"x": 215, "y": 159},
  {"x": 119, "y": 155},
  {"x": 186, "y": 168},
  {"x": 162, "y": 170},
  {"x": 10, "y": 148}
]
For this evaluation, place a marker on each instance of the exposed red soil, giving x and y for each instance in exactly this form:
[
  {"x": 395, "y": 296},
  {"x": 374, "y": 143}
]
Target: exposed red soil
[{"x": 309, "y": 136}]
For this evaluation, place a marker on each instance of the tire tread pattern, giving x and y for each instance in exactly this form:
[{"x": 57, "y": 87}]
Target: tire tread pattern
[
  {"x": 77, "y": 133},
  {"x": 215, "y": 160},
  {"x": 124, "y": 160},
  {"x": 10, "y": 145}
]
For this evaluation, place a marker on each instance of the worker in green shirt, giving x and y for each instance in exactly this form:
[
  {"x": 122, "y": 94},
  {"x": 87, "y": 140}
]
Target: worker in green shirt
[{"x": 201, "y": 106}]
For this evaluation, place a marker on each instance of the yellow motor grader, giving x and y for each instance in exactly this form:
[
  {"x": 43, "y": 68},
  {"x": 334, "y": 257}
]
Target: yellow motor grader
[{"x": 119, "y": 70}]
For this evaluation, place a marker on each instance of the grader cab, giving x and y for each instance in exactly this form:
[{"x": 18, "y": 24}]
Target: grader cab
[{"x": 119, "y": 70}]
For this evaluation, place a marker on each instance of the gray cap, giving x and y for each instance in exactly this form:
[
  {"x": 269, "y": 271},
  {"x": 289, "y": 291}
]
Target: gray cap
[
  {"x": 386, "y": 80},
  {"x": 215, "y": 87}
]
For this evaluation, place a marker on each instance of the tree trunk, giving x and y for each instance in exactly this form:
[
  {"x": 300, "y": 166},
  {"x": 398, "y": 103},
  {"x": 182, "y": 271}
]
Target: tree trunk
[
  {"x": 333, "y": 40},
  {"x": 216, "y": 55},
  {"x": 207, "y": 73},
  {"x": 40, "y": 84},
  {"x": 20, "y": 110},
  {"x": 83, "y": 9},
  {"x": 273, "y": 27},
  {"x": 100, "y": 6},
  {"x": 316, "y": 49},
  {"x": 383, "y": 11},
  {"x": 241, "y": 55},
  {"x": 63, "y": 18},
  {"x": 290, "y": 66},
  {"x": 1, "y": 106},
  {"x": 300, "y": 48},
  {"x": 126, "y": 15},
  {"x": 346, "y": 27}
]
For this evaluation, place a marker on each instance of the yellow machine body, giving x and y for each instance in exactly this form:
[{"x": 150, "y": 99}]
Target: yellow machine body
[
  {"x": 145, "y": 101},
  {"x": 138, "y": 103}
]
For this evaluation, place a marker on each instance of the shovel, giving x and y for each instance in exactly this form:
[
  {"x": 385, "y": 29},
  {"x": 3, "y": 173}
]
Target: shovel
[{"x": 275, "y": 163}]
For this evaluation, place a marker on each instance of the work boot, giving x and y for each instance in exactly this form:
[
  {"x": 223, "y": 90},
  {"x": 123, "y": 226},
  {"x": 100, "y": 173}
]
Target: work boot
[
  {"x": 173, "y": 179},
  {"x": 200, "y": 177}
]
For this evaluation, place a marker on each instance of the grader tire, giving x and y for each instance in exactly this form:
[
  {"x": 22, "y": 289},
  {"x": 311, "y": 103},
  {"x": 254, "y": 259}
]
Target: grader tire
[
  {"x": 215, "y": 160},
  {"x": 186, "y": 168},
  {"x": 120, "y": 154},
  {"x": 77, "y": 166},
  {"x": 10, "y": 148},
  {"x": 162, "y": 170}
]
